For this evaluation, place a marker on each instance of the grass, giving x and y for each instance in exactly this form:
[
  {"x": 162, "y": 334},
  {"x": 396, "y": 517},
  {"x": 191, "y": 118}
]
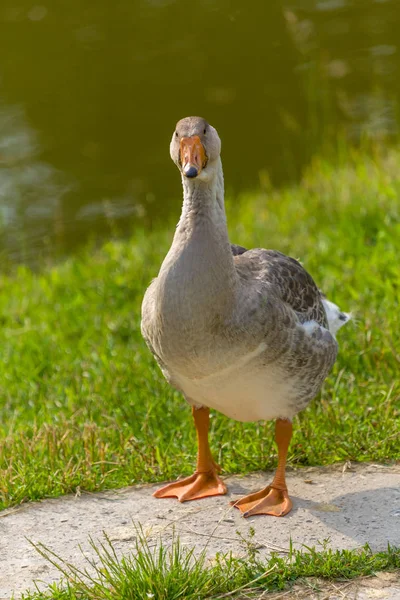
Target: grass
[
  {"x": 83, "y": 405},
  {"x": 176, "y": 572}
]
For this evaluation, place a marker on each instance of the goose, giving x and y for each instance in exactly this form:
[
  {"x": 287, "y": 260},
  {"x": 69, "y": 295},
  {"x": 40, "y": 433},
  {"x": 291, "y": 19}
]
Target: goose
[{"x": 245, "y": 332}]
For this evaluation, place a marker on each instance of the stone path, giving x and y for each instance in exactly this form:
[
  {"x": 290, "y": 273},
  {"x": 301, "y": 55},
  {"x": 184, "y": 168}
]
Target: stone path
[{"x": 349, "y": 506}]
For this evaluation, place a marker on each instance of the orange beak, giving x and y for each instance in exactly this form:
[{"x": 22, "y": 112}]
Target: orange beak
[{"x": 192, "y": 155}]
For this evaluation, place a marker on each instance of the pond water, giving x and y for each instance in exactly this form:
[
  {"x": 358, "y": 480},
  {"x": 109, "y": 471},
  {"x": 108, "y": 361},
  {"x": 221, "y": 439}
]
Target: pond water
[{"x": 90, "y": 93}]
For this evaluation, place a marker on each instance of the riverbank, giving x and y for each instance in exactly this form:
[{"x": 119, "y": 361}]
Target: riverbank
[{"x": 83, "y": 405}]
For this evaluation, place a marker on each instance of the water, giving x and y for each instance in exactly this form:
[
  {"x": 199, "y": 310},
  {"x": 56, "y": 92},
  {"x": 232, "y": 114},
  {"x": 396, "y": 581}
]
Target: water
[{"x": 90, "y": 93}]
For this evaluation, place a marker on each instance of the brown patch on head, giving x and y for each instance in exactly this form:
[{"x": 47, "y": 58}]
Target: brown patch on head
[{"x": 191, "y": 126}]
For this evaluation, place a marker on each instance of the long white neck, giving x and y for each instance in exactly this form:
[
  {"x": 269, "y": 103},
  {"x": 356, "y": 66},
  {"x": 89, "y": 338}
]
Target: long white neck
[
  {"x": 200, "y": 263},
  {"x": 204, "y": 199}
]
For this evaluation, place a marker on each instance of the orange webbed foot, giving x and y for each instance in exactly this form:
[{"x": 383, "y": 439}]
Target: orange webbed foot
[
  {"x": 269, "y": 501},
  {"x": 198, "y": 485}
]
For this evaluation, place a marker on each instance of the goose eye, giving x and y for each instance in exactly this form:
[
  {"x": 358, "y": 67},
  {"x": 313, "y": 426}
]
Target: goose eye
[
  {"x": 176, "y": 134},
  {"x": 205, "y": 130}
]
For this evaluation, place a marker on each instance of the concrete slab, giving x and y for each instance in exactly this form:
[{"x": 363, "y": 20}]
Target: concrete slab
[{"x": 345, "y": 505}]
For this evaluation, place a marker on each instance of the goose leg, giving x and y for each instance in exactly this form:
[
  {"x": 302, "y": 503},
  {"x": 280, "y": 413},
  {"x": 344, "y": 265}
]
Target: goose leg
[
  {"x": 205, "y": 481},
  {"x": 274, "y": 499}
]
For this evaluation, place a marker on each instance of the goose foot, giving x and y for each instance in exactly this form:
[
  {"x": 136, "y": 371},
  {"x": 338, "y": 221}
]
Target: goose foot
[
  {"x": 198, "y": 485},
  {"x": 269, "y": 501}
]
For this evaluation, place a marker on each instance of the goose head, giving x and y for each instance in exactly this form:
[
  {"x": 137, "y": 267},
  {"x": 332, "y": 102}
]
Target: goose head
[{"x": 195, "y": 149}]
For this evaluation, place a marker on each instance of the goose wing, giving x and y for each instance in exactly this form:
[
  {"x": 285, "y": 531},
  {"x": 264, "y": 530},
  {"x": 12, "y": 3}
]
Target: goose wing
[{"x": 290, "y": 281}]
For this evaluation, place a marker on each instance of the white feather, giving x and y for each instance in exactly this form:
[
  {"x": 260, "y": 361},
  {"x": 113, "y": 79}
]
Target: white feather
[
  {"x": 310, "y": 327},
  {"x": 336, "y": 318}
]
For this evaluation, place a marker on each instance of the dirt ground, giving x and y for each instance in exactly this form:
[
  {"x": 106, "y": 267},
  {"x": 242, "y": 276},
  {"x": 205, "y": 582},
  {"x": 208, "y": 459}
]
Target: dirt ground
[{"x": 348, "y": 505}]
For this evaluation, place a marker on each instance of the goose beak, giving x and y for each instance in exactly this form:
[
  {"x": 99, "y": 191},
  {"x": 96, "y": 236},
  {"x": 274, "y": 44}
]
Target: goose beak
[{"x": 192, "y": 155}]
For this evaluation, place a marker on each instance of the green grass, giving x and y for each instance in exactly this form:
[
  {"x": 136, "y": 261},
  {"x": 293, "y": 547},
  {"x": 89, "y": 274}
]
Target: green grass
[
  {"x": 176, "y": 572},
  {"x": 83, "y": 405}
]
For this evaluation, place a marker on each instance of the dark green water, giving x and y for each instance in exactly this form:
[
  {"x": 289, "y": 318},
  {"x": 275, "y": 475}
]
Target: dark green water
[{"x": 90, "y": 93}]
